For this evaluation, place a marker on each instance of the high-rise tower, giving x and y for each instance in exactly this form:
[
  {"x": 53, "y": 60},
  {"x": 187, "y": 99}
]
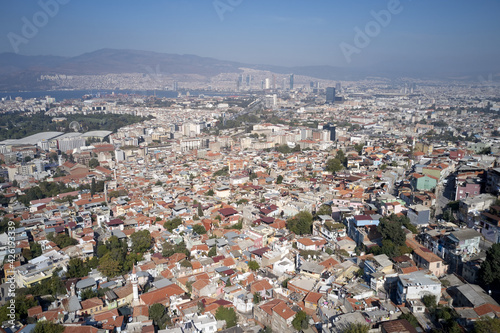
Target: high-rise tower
[{"x": 330, "y": 95}]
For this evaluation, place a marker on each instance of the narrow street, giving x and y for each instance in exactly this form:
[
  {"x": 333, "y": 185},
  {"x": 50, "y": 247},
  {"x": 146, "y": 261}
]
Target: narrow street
[{"x": 444, "y": 194}]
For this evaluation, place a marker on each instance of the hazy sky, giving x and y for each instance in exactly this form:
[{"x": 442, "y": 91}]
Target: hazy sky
[{"x": 440, "y": 34}]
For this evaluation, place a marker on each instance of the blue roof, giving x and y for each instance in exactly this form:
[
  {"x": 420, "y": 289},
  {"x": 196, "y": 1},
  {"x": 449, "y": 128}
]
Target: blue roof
[{"x": 27, "y": 329}]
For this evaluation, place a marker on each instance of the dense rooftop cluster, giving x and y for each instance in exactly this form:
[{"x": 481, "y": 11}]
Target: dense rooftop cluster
[{"x": 257, "y": 213}]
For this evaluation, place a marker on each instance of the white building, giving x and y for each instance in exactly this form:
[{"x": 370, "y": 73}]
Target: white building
[
  {"x": 283, "y": 266},
  {"x": 203, "y": 324},
  {"x": 416, "y": 285}
]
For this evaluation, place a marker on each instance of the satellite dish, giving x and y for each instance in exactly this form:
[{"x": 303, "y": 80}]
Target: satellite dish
[{"x": 74, "y": 125}]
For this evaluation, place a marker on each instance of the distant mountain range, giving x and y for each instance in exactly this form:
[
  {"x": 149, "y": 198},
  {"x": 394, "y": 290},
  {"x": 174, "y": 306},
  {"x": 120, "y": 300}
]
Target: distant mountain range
[{"x": 19, "y": 72}]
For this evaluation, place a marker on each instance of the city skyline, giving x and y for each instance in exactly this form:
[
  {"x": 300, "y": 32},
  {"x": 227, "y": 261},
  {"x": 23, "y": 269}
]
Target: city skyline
[{"x": 391, "y": 35}]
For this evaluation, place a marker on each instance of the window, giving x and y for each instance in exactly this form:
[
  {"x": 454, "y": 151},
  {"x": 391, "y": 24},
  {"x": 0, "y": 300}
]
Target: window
[{"x": 438, "y": 265}]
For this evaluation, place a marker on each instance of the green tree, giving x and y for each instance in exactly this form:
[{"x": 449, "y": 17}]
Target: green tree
[
  {"x": 429, "y": 301},
  {"x": 93, "y": 187},
  {"x": 169, "y": 249},
  {"x": 341, "y": 157},
  {"x": 442, "y": 312},
  {"x": 334, "y": 165},
  {"x": 266, "y": 329},
  {"x": 410, "y": 318},
  {"x": 199, "y": 229},
  {"x": 212, "y": 252},
  {"x": 159, "y": 315},
  {"x": 284, "y": 149},
  {"x": 109, "y": 266},
  {"x": 62, "y": 240},
  {"x": 93, "y": 163},
  {"x": 357, "y": 328},
  {"x": 487, "y": 325},
  {"x": 300, "y": 321},
  {"x": 200, "y": 210},
  {"x": 324, "y": 210},
  {"x": 390, "y": 228},
  {"x": 279, "y": 180},
  {"x": 4, "y": 225},
  {"x": 46, "y": 326},
  {"x": 301, "y": 223},
  {"x": 22, "y": 305},
  {"x": 210, "y": 193},
  {"x": 26, "y": 254},
  {"x": 489, "y": 272},
  {"x": 76, "y": 268},
  {"x": 87, "y": 294},
  {"x": 228, "y": 315},
  {"x": 102, "y": 249},
  {"x": 141, "y": 241},
  {"x": 170, "y": 225},
  {"x": 359, "y": 147},
  {"x": 256, "y": 298},
  {"x": 253, "y": 265},
  {"x": 186, "y": 263}
]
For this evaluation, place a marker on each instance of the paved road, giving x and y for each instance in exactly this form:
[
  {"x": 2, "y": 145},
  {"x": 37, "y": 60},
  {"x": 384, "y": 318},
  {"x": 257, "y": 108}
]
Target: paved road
[
  {"x": 424, "y": 320},
  {"x": 444, "y": 194}
]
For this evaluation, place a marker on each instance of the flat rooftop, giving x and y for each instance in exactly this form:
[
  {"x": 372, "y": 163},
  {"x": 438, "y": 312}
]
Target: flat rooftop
[
  {"x": 418, "y": 277},
  {"x": 96, "y": 134},
  {"x": 32, "y": 139}
]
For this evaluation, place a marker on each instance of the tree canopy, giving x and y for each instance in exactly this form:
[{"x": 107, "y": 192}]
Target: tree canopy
[
  {"x": 172, "y": 224},
  {"x": 141, "y": 241},
  {"x": 410, "y": 318},
  {"x": 62, "y": 240},
  {"x": 169, "y": 249},
  {"x": 199, "y": 229},
  {"x": 487, "y": 325},
  {"x": 159, "y": 315},
  {"x": 489, "y": 273},
  {"x": 212, "y": 252},
  {"x": 393, "y": 235},
  {"x": 256, "y": 298},
  {"x": 253, "y": 265},
  {"x": 46, "y": 326},
  {"x": 227, "y": 314},
  {"x": 357, "y": 328},
  {"x": 300, "y": 321},
  {"x": 324, "y": 210},
  {"x": 390, "y": 229},
  {"x": 114, "y": 258},
  {"x": 334, "y": 165},
  {"x": 301, "y": 223},
  {"x": 77, "y": 268}
]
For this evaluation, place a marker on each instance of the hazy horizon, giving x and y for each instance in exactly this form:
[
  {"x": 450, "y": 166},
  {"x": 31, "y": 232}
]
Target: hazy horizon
[{"x": 407, "y": 35}]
